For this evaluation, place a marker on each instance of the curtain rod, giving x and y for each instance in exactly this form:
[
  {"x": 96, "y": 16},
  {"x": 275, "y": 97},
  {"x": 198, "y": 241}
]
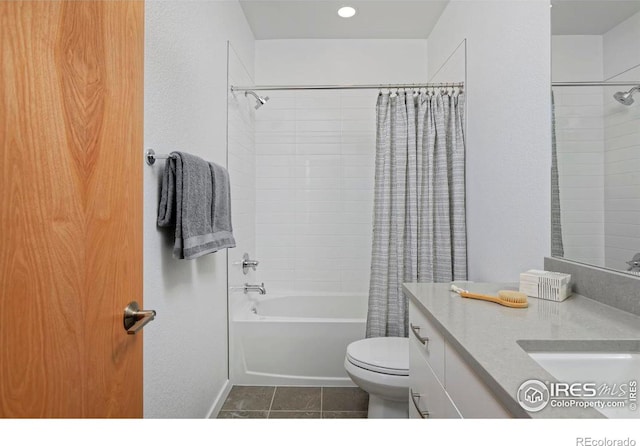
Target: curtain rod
[
  {"x": 344, "y": 87},
  {"x": 595, "y": 84}
]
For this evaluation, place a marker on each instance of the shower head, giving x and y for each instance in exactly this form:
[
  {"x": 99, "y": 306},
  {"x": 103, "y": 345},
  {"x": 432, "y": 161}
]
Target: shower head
[
  {"x": 260, "y": 100},
  {"x": 626, "y": 98}
]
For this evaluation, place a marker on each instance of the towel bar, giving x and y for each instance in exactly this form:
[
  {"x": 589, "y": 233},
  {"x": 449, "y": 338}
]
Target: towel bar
[{"x": 151, "y": 156}]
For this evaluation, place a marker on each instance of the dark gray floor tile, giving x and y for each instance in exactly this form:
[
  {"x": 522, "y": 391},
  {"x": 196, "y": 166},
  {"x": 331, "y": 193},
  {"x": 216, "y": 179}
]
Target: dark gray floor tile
[
  {"x": 342, "y": 414},
  {"x": 352, "y": 399},
  {"x": 293, "y": 414},
  {"x": 297, "y": 398},
  {"x": 243, "y": 414},
  {"x": 249, "y": 398}
]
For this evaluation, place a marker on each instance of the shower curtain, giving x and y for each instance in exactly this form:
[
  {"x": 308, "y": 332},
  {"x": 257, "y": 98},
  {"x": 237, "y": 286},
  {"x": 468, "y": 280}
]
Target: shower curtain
[
  {"x": 557, "y": 247},
  {"x": 419, "y": 228}
]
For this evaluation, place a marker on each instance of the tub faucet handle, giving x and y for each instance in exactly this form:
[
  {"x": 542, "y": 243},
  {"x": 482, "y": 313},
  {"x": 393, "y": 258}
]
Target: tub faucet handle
[{"x": 248, "y": 263}]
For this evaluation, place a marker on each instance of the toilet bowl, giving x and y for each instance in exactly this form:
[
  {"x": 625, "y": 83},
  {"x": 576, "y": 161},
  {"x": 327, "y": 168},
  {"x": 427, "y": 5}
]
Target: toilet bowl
[{"x": 380, "y": 367}]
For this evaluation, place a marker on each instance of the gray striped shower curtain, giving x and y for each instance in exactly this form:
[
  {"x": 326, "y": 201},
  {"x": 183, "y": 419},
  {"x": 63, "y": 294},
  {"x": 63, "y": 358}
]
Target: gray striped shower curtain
[
  {"x": 557, "y": 246},
  {"x": 419, "y": 227}
]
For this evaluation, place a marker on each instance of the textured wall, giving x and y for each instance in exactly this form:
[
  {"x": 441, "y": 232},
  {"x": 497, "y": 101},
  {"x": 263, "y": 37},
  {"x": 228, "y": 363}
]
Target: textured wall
[
  {"x": 508, "y": 130},
  {"x": 185, "y": 351}
]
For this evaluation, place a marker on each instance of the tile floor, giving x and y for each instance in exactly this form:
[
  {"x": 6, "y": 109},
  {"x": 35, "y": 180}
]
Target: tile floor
[{"x": 295, "y": 402}]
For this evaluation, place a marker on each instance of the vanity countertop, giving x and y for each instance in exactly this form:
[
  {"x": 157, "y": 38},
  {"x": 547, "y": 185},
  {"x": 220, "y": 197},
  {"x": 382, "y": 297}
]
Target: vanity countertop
[{"x": 486, "y": 335}]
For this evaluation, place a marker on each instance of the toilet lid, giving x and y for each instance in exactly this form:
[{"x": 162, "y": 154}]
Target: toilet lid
[{"x": 382, "y": 355}]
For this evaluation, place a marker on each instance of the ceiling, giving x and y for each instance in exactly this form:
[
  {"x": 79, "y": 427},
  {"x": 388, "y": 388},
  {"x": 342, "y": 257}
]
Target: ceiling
[
  {"x": 311, "y": 19},
  {"x": 412, "y": 19},
  {"x": 589, "y": 17}
]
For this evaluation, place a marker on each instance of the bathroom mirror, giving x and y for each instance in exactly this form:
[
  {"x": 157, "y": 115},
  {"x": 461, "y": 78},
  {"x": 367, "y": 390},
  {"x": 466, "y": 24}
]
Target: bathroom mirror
[{"x": 596, "y": 133}]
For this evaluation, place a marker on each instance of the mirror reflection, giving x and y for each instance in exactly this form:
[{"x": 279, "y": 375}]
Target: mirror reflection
[{"x": 596, "y": 133}]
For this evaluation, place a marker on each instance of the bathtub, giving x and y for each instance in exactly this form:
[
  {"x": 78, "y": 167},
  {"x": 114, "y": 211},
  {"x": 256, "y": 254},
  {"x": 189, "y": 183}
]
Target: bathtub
[{"x": 295, "y": 340}]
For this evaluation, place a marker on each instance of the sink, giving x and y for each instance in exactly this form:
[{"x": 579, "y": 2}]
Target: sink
[
  {"x": 594, "y": 367},
  {"x": 612, "y": 375}
]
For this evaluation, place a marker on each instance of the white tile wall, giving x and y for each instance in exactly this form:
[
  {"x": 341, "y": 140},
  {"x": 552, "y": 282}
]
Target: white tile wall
[
  {"x": 242, "y": 169},
  {"x": 315, "y": 154},
  {"x": 580, "y": 146}
]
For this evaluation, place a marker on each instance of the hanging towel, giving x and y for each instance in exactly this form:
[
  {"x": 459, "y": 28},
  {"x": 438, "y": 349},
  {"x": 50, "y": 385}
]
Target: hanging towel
[{"x": 195, "y": 198}]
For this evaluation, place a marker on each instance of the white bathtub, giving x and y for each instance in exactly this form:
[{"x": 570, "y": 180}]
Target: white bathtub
[{"x": 296, "y": 339}]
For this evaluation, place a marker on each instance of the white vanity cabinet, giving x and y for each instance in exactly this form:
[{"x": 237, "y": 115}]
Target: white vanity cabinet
[{"x": 441, "y": 383}]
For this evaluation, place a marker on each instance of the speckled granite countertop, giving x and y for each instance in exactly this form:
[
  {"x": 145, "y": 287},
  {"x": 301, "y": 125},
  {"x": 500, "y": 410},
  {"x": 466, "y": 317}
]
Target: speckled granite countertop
[{"x": 492, "y": 338}]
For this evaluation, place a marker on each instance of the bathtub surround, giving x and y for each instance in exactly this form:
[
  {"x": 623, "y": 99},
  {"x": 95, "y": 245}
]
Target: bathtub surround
[
  {"x": 419, "y": 228},
  {"x": 185, "y": 352},
  {"x": 315, "y": 152},
  {"x": 314, "y": 190},
  {"x": 313, "y": 193},
  {"x": 295, "y": 339}
]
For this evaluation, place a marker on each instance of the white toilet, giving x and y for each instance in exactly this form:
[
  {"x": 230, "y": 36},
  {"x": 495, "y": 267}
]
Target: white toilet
[{"x": 380, "y": 367}]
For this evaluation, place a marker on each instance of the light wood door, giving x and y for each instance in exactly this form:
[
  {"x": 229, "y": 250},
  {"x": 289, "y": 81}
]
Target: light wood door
[{"x": 71, "y": 116}]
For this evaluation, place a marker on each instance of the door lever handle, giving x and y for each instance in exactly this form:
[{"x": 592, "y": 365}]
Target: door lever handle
[{"x": 134, "y": 318}]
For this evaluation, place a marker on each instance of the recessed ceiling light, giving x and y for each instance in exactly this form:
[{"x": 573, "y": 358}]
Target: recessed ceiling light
[{"x": 346, "y": 12}]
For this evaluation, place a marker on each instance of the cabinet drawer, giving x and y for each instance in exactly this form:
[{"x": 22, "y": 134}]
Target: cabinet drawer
[
  {"x": 471, "y": 395},
  {"x": 426, "y": 393},
  {"x": 433, "y": 349}
]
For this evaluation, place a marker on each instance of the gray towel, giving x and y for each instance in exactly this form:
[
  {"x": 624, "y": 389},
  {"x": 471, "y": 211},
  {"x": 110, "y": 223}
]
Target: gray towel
[{"x": 196, "y": 199}]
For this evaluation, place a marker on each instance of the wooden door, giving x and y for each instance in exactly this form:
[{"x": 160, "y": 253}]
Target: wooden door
[{"x": 71, "y": 104}]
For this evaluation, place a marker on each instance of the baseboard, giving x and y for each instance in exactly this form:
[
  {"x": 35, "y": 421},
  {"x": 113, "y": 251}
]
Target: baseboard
[{"x": 220, "y": 399}]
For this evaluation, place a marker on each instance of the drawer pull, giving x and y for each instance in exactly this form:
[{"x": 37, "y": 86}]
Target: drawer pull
[
  {"x": 416, "y": 331},
  {"x": 415, "y": 396}
]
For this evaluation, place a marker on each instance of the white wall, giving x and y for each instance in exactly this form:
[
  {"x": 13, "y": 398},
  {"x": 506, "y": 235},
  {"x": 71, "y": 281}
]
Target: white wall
[
  {"x": 336, "y": 61},
  {"x": 580, "y": 146},
  {"x": 508, "y": 130},
  {"x": 576, "y": 58},
  {"x": 315, "y": 159},
  {"x": 454, "y": 69},
  {"x": 621, "y": 47},
  {"x": 622, "y": 154},
  {"x": 185, "y": 351}
]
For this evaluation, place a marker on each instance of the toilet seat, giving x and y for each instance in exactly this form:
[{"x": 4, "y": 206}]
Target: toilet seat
[{"x": 389, "y": 356}]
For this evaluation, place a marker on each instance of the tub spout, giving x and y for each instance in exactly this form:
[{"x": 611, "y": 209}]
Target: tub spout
[{"x": 259, "y": 288}]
